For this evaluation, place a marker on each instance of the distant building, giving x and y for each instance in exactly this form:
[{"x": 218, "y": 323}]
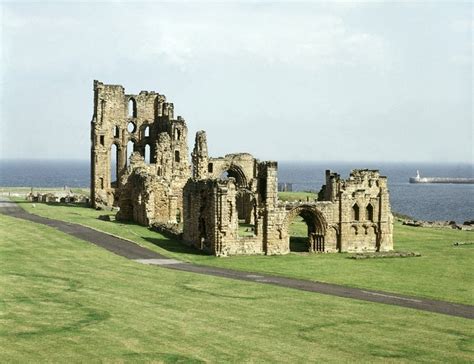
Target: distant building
[{"x": 285, "y": 187}]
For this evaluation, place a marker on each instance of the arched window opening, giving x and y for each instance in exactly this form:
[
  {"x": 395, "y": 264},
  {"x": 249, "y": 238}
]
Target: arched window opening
[
  {"x": 147, "y": 154},
  {"x": 237, "y": 174},
  {"x": 116, "y": 132},
  {"x": 370, "y": 212},
  {"x": 130, "y": 149},
  {"x": 177, "y": 134},
  {"x": 147, "y": 132},
  {"x": 177, "y": 158},
  {"x": 102, "y": 140},
  {"x": 210, "y": 167},
  {"x": 355, "y": 212},
  {"x": 113, "y": 165},
  {"x": 131, "y": 127},
  {"x": 132, "y": 108},
  {"x": 178, "y": 216}
]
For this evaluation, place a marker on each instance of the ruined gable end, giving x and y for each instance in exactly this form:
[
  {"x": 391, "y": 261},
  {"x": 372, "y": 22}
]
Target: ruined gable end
[{"x": 144, "y": 124}]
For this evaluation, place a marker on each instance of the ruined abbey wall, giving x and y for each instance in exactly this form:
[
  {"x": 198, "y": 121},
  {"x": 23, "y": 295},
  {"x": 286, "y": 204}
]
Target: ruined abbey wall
[
  {"x": 223, "y": 192},
  {"x": 144, "y": 124},
  {"x": 228, "y": 205},
  {"x": 351, "y": 215}
]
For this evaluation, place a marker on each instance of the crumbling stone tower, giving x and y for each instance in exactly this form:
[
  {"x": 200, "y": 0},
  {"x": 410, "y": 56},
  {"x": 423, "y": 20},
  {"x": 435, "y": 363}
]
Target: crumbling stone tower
[{"x": 144, "y": 124}]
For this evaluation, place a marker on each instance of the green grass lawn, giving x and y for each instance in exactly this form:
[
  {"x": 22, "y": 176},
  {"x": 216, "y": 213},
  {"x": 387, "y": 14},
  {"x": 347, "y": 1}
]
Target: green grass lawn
[
  {"x": 442, "y": 272},
  {"x": 65, "y": 300},
  {"x": 297, "y": 196}
]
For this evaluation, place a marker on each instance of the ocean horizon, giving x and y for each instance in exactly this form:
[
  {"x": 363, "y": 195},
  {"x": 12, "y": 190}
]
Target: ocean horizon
[{"x": 421, "y": 201}]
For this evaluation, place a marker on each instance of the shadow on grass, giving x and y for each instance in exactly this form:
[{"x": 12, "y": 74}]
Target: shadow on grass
[
  {"x": 173, "y": 246},
  {"x": 299, "y": 244},
  {"x": 165, "y": 242}
]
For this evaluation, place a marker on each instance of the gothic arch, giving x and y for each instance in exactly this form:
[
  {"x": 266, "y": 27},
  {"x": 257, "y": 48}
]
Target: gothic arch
[
  {"x": 355, "y": 212},
  {"x": 310, "y": 214},
  {"x": 369, "y": 212},
  {"x": 235, "y": 171},
  {"x": 132, "y": 107},
  {"x": 315, "y": 222}
]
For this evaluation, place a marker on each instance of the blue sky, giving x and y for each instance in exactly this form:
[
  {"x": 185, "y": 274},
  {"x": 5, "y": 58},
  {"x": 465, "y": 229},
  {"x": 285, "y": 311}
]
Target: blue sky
[{"x": 349, "y": 81}]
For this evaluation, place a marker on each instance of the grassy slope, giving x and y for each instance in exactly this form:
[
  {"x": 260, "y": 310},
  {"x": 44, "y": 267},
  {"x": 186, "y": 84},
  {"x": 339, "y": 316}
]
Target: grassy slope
[
  {"x": 64, "y": 300},
  {"x": 443, "y": 272},
  {"x": 297, "y": 196}
]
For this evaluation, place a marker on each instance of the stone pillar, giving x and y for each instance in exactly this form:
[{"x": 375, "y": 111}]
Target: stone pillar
[{"x": 200, "y": 156}]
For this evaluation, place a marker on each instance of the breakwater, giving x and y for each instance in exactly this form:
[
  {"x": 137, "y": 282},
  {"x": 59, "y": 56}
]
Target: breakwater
[{"x": 419, "y": 179}]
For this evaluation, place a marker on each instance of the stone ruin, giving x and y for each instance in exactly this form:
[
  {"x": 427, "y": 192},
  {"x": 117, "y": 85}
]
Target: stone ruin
[
  {"x": 227, "y": 205},
  {"x": 150, "y": 151},
  {"x": 65, "y": 196}
]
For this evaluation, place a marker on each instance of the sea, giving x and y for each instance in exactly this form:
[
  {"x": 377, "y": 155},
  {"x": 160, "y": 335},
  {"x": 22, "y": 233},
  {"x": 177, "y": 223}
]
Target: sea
[{"x": 453, "y": 202}]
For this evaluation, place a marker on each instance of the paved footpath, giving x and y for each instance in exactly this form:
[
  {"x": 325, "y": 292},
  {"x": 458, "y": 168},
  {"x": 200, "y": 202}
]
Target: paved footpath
[{"x": 133, "y": 251}]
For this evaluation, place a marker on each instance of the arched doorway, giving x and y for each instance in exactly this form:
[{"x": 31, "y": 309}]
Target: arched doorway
[{"x": 306, "y": 228}]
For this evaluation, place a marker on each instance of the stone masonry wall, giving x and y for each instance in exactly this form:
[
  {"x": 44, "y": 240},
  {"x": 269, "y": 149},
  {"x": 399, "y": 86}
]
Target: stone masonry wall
[{"x": 144, "y": 124}]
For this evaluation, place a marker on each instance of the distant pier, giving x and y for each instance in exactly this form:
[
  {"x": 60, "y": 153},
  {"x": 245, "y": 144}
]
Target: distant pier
[{"x": 419, "y": 179}]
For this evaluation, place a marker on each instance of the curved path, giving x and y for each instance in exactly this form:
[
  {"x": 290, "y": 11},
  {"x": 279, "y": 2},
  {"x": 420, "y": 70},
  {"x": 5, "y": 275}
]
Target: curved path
[{"x": 133, "y": 251}]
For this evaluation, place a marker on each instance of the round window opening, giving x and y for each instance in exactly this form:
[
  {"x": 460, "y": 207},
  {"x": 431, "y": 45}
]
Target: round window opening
[{"x": 131, "y": 127}]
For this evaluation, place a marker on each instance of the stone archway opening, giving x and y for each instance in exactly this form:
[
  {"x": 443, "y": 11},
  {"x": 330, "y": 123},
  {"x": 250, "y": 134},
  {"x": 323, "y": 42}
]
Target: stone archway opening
[
  {"x": 245, "y": 200},
  {"x": 246, "y": 211},
  {"x": 236, "y": 173},
  {"x": 305, "y": 230}
]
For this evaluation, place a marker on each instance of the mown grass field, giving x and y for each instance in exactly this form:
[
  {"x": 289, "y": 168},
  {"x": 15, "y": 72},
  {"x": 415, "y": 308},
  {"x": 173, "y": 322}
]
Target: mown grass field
[
  {"x": 65, "y": 300},
  {"x": 297, "y": 196},
  {"x": 442, "y": 272}
]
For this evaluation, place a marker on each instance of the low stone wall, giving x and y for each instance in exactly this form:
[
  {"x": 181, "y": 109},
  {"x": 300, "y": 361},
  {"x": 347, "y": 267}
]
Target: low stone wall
[{"x": 244, "y": 245}]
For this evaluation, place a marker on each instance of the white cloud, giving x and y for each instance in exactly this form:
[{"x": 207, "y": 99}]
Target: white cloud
[
  {"x": 462, "y": 25},
  {"x": 326, "y": 70},
  {"x": 303, "y": 40},
  {"x": 187, "y": 36},
  {"x": 461, "y": 59}
]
